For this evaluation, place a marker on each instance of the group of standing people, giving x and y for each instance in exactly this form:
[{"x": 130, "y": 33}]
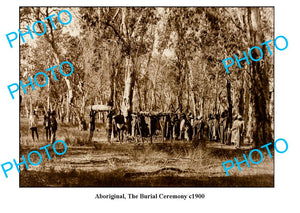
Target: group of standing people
[
  {"x": 219, "y": 129},
  {"x": 49, "y": 123},
  {"x": 115, "y": 123},
  {"x": 215, "y": 128}
]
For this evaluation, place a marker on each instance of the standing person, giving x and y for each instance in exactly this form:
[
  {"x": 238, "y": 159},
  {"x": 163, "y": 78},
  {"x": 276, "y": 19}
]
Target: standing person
[
  {"x": 182, "y": 127},
  {"x": 92, "y": 123},
  {"x": 144, "y": 126},
  {"x": 204, "y": 131},
  {"x": 176, "y": 126},
  {"x": 215, "y": 126},
  {"x": 210, "y": 126},
  {"x": 222, "y": 128},
  {"x": 190, "y": 130},
  {"x": 242, "y": 129},
  {"x": 196, "y": 128},
  {"x": 168, "y": 127},
  {"x": 109, "y": 125},
  {"x": 120, "y": 122},
  {"x": 188, "y": 127},
  {"x": 53, "y": 126},
  {"x": 128, "y": 124},
  {"x": 47, "y": 124},
  {"x": 237, "y": 131},
  {"x": 227, "y": 129},
  {"x": 201, "y": 127},
  {"x": 33, "y": 123}
]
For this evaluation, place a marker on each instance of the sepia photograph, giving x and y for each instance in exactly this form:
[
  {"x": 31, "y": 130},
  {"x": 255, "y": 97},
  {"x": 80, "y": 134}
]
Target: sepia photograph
[{"x": 146, "y": 96}]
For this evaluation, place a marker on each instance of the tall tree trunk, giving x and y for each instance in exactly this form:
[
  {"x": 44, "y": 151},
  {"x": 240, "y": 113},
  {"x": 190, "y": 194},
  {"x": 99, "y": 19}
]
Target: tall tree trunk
[
  {"x": 145, "y": 94},
  {"x": 153, "y": 102},
  {"x": 247, "y": 112},
  {"x": 217, "y": 93},
  {"x": 260, "y": 81},
  {"x": 30, "y": 106},
  {"x": 202, "y": 104},
  {"x": 52, "y": 41},
  {"x": 62, "y": 109},
  {"x": 241, "y": 97},
  {"x": 48, "y": 98},
  {"x": 83, "y": 104},
  {"x": 112, "y": 88},
  {"x": 27, "y": 111},
  {"x": 129, "y": 86},
  {"x": 69, "y": 99},
  {"x": 229, "y": 104},
  {"x": 191, "y": 86},
  {"x": 180, "y": 81},
  {"x": 58, "y": 60},
  {"x": 138, "y": 90},
  {"x": 130, "y": 69}
]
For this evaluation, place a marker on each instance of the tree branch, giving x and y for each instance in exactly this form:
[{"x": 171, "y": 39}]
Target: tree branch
[
  {"x": 116, "y": 32},
  {"x": 239, "y": 27}
]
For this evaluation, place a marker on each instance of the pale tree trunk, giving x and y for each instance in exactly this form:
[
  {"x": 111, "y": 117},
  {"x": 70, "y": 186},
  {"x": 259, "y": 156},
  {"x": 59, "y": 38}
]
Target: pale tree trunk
[
  {"x": 202, "y": 103},
  {"x": 217, "y": 92},
  {"x": 271, "y": 109},
  {"x": 248, "y": 119},
  {"x": 153, "y": 102},
  {"x": 112, "y": 99},
  {"x": 52, "y": 42},
  {"x": 48, "y": 98},
  {"x": 30, "y": 105},
  {"x": 26, "y": 109},
  {"x": 69, "y": 92},
  {"x": 193, "y": 96},
  {"x": 83, "y": 104},
  {"x": 114, "y": 68},
  {"x": 74, "y": 112},
  {"x": 145, "y": 90},
  {"x": 187, "y": 85},
  {"x": 62, "y": 109},
  {"x": 241, "y": 96},
  {"x": 129, "y": 72},
  {"x": 80, "y": 113},
  {"x": 181, "y": 79},
  {"x": 138, "y": 91},
  {"x": 69, "y": 99},
  {"x": 142, "y": 103},
  {"x": 129, "y": 86},
  {"x": 131, "y": 61}
]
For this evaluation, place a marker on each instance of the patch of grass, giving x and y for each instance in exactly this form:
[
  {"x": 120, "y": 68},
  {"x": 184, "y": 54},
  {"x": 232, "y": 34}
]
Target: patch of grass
[{"x": 177, "y": 163}]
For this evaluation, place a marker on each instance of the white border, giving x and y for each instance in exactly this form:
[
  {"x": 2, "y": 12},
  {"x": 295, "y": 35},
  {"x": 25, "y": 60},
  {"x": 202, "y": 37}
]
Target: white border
[{"x": 281, "y": 198}]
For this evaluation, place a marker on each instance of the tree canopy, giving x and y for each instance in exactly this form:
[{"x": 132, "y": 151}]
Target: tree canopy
[{"x": 154, "y": 59}]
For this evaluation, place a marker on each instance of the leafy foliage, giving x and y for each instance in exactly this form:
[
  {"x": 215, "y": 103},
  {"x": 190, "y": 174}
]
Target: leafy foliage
[{"x": 174, "y": 56}]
